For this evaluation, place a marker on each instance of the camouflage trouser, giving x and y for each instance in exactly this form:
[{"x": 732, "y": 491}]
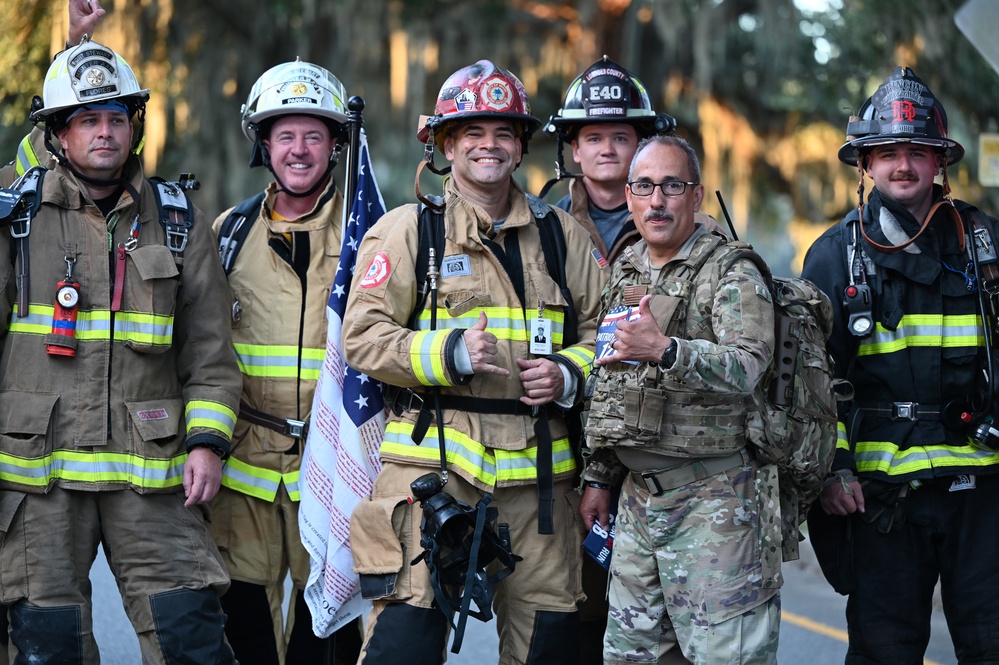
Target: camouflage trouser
[{"x": 686, "y": 571}]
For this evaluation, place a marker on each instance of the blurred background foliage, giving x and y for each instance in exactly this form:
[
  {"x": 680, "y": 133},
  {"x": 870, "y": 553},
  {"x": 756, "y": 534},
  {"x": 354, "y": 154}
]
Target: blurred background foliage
[{"x": 762, "y": 88}]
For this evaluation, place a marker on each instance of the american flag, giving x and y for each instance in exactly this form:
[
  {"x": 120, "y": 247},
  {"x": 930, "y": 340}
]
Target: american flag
[{"x": 340, "y": 461}]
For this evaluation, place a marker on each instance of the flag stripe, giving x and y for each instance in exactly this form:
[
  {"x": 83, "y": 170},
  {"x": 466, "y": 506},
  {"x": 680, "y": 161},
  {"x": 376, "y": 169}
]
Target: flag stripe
[{"x": 340, "y": 461}]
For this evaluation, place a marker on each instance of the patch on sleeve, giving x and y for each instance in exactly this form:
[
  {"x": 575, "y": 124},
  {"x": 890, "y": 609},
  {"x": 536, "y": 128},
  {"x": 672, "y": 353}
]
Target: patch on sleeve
[
  {"x": 599, "y": 258},
  {"x": 378, "y": 271}
]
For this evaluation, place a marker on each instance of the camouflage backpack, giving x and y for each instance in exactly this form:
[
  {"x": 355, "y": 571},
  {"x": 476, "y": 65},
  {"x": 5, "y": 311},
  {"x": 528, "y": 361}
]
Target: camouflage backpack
[{"x": 794, "y": 424}]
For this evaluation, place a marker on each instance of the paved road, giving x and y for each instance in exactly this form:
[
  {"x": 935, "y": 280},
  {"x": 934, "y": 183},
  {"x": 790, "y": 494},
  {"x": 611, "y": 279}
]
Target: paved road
[{"x": 813, "y": 629}]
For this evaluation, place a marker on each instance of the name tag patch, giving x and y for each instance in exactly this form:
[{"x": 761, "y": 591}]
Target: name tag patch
[
  {"x": 456, "y": 266},
  {"x": 153, "y": 414}
]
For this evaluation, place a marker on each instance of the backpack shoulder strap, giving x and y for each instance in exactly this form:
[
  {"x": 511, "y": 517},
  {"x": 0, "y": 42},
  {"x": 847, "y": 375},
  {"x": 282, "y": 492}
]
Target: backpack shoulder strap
[
  {"x": 554, "y": 248},
  {"x": 176, "y": 214},
  {"x": 20, "y": 205},
  {"x": 235, "y": 227},
  {"x": 741, "y": 250},
  {"x": 701, "y": 253}
]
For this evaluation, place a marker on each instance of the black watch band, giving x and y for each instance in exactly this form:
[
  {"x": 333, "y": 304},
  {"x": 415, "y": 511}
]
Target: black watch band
[
  {"x": 597, "y": 486},
  {"x": 669, "y": 355}
]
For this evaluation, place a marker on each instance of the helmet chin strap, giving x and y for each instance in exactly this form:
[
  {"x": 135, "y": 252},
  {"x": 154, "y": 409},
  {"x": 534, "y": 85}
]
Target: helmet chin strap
[{"x": 321, "y": 183}]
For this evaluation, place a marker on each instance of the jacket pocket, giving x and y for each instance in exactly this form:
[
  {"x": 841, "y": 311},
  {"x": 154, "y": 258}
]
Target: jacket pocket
[
  {"x": 157, "y": 426},
  {"x": 379, "y": 539},
  {"x": 146, "y": 322},
  {"x": 547, "y": 294},
  {"x": 25, "y": 420}
]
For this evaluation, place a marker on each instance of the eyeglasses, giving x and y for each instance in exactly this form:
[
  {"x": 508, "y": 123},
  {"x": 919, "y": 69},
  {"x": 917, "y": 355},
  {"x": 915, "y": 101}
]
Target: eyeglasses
[{"x": 668, "y": 187}]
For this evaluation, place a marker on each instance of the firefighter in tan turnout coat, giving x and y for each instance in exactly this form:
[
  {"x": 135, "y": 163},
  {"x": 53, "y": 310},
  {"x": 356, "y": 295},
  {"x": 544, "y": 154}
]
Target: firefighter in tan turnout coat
[
  {"x": 280, "y": 250},
  {"x": 502, "y": 435}
]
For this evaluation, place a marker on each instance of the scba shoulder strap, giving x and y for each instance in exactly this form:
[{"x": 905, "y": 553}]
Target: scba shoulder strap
[
  {"x": 18, "y": 206},
  {"x": 431, "y": 233},
  {"x": 430, "y": 222},
  {"x": 176, "y": 212},
  {"x": 235, "y": 228}
]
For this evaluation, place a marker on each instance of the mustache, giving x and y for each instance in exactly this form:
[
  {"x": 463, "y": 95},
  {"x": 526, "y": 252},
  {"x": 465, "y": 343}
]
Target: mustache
[{"x": 659, "y": 215}]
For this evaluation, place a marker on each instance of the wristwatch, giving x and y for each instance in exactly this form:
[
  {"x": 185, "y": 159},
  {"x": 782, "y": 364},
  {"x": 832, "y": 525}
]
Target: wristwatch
[{"x": 669, "y": 355}]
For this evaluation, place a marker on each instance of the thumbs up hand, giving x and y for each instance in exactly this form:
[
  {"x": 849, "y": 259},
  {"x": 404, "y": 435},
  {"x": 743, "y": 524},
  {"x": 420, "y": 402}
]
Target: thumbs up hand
[
  {"x": 639, "y": 339},
  {"x": 482, "y": 349}
]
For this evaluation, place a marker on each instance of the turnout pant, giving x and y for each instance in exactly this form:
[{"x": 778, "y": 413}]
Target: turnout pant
[
  {"x": 535, "y": 606},
  {"x": 161, "y": 554},
  {"x": 948, "y": 533}
]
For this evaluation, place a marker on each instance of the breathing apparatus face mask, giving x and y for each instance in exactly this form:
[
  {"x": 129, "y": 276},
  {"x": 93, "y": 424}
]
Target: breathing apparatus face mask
[
  {"x": 446, "y": 518},
  {"x": 459, "y": 542}
]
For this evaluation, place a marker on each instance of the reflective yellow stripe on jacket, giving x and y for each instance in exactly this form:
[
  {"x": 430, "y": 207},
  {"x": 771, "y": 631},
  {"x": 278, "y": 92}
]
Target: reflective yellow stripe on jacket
[
  {"x": 94, "y": 467},
  {"x": 885, "y": 457},
  {"x": 580, "y": 357},
  {"x": 505, "y": 322},
  {"x": 95, "y": 325},
  {"x": 279, "y": 361},
  {"x": 26, "y": 158},
  {"x": 842, "y": 440},
  {"x": 934, "y": 330},
  {"x": 258, "y": 482},
  {"x": 920, "y": 330},
  {"x": 213, "y": 415},
  {"x": 426, "y": 350},
  {"x": 491, "y": 466}
]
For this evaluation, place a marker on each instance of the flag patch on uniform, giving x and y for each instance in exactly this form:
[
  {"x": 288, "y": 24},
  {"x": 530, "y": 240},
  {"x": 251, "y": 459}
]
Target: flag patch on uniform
[{"x": 599, "y": 258}]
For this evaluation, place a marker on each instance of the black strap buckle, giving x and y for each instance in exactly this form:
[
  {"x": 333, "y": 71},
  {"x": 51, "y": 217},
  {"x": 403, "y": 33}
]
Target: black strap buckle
[{"x": 406, "y": 399}]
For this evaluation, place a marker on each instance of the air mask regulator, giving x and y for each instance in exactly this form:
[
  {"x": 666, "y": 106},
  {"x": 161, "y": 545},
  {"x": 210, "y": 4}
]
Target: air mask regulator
[{"x": 857, "y": 295}]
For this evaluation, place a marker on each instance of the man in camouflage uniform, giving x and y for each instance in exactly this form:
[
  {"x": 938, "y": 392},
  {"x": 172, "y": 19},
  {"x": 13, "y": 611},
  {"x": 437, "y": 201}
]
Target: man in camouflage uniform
[{"x": 668, "y": 415}]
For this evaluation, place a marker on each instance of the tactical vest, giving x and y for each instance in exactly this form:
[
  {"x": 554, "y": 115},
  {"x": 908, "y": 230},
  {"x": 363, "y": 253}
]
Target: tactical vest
[{"x": 641, "y": 405}]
